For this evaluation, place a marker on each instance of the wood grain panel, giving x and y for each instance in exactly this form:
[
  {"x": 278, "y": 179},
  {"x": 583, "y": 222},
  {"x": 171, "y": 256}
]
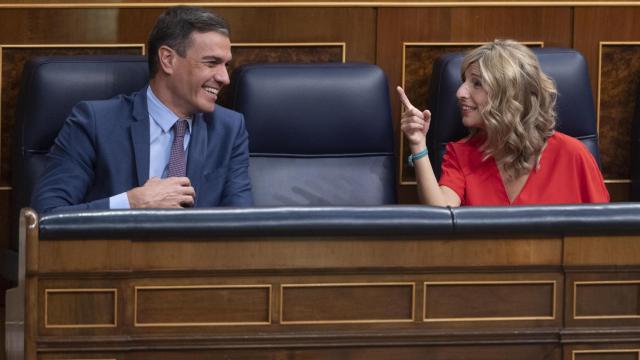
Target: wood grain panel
[
  {"x": 80, "y": 308},
  {"x": 619, "y": 78},
  {"x": 80, "y": 356},
  {"x": 606, "y": 300},
  {"x": 241, "y": 253},
  {"x": 618, "y": 190},
  {"x": 318, "y": 253},
  {"x": 489, "y": 301},
  {"x": 202, "y": 305},
  {"x": 596, "y": 250},
  {"x": 323, "y": 352},
  {"x": 66, "y": 255},
  {"x": 282, "y": 53},
  {"x": 286, "y": 52},
  {"x": 593, "y": 25},
  {"x": 354, "y": 26},
  {"x": 58, "y": 26},
  {"x": 347, "y": 303},
  {"x": 606, "y": 355},
  {"x": 600, "y": 298}
]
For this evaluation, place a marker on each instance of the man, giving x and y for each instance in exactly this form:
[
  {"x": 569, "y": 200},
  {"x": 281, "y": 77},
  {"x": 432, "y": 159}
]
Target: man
[{"x": 126, "y": 152}]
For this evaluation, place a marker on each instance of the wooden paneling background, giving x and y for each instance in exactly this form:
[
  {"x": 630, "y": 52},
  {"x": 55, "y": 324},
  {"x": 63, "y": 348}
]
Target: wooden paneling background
[{"x": 377, "y": 32}]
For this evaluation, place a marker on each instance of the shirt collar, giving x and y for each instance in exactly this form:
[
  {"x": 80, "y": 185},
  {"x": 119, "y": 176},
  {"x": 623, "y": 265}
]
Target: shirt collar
[{"x": 160, "y": 113}]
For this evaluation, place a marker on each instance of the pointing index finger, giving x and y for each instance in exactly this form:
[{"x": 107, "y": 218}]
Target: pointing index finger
[{"x": 403, "y": 98}]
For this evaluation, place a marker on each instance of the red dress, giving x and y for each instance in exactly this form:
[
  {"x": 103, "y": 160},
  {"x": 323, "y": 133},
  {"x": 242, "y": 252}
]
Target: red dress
[{"x": 567, "y": 174}]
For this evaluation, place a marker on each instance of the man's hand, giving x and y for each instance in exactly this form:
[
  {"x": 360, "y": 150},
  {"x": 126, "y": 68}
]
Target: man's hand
[
  {"x": 173, "y": 192},
  {"x": 414, "y": 123}
]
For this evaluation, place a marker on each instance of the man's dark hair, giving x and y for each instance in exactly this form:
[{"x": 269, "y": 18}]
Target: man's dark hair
[{"x": 174, "y": 28}]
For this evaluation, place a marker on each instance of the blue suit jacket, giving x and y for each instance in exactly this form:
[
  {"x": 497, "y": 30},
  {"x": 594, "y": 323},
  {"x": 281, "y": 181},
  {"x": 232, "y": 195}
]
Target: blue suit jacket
[{"x": 103, "y": 150}]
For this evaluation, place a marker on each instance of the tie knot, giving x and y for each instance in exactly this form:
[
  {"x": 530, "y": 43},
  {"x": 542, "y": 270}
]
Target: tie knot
[{"x": 180, "y": 127}]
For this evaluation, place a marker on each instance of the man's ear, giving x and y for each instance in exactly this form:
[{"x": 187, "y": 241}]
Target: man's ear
[{"x": 167, "y": 57}]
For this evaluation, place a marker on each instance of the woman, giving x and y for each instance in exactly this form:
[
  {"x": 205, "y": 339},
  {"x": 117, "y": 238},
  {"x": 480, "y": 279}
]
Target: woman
[{"x": 513, "y": 155}]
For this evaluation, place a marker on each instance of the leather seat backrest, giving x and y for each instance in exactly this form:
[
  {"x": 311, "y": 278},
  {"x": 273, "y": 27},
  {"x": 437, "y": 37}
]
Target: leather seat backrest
[{"x": 319, "y": 134}]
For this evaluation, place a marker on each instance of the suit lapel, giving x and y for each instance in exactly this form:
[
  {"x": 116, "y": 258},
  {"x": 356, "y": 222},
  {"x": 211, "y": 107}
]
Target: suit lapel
[
  {"x": 140, "y": 136},
  {"x": 197, "y": 152}
]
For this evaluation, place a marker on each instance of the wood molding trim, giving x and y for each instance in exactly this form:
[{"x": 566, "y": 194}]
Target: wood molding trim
[{"x": 338, "y": 4}]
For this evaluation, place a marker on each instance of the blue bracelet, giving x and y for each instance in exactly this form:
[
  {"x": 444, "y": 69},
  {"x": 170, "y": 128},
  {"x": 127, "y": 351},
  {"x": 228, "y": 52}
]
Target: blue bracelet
[{"x": 417, "y": 156}]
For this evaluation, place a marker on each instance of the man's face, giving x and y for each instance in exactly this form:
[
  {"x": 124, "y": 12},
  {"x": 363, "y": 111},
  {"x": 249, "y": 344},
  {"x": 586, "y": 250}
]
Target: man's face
[{"x": 199, "y": 76}]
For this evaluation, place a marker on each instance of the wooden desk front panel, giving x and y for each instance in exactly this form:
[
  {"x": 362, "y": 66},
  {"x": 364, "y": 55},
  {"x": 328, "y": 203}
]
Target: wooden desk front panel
[
  {"x": 327, "y": 297},
  {"x": 331, "y": 351},
  {"x": 212, "y": 304},
  {"x": 314, "y": 297}
]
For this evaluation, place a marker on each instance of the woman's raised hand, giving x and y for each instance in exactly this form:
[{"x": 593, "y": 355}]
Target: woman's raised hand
[{"x": 414, "y": 123}]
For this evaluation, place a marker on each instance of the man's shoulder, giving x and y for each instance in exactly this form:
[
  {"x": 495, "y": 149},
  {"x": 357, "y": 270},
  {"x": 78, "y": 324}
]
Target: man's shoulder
[
  {"x": 108, "y": 112},
  {"x": 116, "y": 102},
  {"x": 224, "y": 118},
  {"x": 221, "y": 112}
]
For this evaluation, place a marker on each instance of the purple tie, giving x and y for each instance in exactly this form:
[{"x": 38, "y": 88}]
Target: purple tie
[{"x": 177, "y": 162}]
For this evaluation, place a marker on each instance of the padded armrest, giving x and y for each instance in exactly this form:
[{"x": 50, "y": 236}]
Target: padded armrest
[
  {"x": 283, "y": 221},
  {"x": 326, "y": 221},
  {"x": 562, "y": 219}
]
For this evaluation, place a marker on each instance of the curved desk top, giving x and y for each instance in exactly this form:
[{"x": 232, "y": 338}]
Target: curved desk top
[{"x": 384, "y": 220}]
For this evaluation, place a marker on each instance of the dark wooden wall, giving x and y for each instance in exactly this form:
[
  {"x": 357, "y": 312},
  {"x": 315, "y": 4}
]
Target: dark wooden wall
[{"x": 402, "y": 38}]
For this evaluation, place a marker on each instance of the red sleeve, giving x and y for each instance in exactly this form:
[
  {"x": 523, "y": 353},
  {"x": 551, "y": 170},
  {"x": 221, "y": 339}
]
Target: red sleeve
[
  {"x": 452, "y": 175},
  {"x": 592, "y": 186}
]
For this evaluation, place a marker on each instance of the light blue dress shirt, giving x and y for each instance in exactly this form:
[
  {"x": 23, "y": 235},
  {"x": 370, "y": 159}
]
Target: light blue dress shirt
[{"x": 161, "y": 120}]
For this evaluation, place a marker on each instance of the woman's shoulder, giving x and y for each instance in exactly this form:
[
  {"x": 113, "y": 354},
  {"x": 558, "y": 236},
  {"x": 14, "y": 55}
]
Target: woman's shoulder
[
  {"x": 564, "y": 138},
  {"x": 465, "y": 150},
  {"x": 566, "y": 142},
  {"x": 467, "y": 143},
  {"x": 566, "y": 145}
]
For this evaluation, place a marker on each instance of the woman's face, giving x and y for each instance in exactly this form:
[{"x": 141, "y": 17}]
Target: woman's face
[{"x": 472, "y": 97}]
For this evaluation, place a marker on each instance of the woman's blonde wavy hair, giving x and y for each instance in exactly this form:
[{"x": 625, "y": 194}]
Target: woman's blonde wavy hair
[{"x": 520, "y": 115}]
